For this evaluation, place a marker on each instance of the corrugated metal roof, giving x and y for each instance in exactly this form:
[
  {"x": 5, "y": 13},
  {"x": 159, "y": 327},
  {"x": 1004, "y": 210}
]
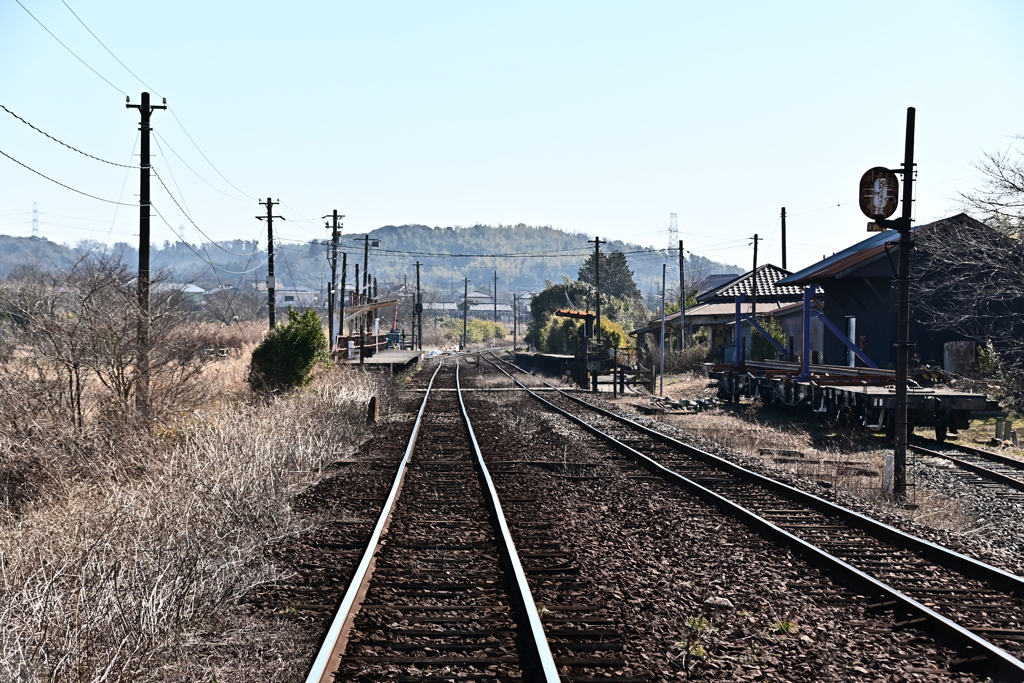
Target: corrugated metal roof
[
  {"x": 766, "y": 278},
  {"x": 840, "y": 263}
]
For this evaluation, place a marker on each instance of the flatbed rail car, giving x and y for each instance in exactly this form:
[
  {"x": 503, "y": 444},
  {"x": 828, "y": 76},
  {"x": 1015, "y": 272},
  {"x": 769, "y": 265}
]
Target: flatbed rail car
[{"x": 852, "y": 396}]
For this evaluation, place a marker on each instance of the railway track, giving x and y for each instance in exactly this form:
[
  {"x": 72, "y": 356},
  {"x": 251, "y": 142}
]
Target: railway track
[
  {"x": 441, "y": 592},
  {"x": 985, "y": 468},
  {"x": 975, "y": 608}
]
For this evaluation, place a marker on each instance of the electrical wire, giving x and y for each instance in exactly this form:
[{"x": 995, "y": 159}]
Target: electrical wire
[
  {"x": 71, "y": 51},
  {"x": 67, "y": 187},
  {"x": 185, "y": 213},
  {"x": 237, "y": 199},
  {"x": 107, "y": 48},
  {"x": 200, "y": 256},
  {"x": 206, "y": 157},
  {"x": 61, "y": 142},
  {"x": 121, "y": 193}
]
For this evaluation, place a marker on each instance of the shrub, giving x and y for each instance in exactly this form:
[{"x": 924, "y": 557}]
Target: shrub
[
  {"x": 286, "y": 357},
  {"x": 761, "y": 348},
  {"x": 477, "y": 330}
]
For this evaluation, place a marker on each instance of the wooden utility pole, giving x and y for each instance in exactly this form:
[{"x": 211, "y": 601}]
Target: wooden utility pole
[
  {"x": 271, "y": 283},
  {"x": 142, "y": 331},
  {"x": 335, "y": 227},
  {"x": 783, "y": 217},
  {"x": 597, "y": 282}
]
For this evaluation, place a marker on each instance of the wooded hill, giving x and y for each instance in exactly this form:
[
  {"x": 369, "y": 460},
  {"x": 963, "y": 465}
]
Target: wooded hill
[{"x": 524, "y": 256}]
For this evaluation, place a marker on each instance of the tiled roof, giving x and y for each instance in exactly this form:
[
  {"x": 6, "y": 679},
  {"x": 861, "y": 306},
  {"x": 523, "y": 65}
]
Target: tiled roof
[{"x": 765, "y": 276}]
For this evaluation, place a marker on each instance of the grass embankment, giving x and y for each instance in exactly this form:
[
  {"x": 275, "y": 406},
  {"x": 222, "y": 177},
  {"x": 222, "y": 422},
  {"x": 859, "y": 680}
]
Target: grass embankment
[{"x": 122, "y": 549}]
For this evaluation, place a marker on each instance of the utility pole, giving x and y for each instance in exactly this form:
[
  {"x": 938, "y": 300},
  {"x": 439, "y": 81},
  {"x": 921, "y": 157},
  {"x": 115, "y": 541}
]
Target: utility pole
[
  {"x": 271, "y": 283},
  {"x": 335, "y": 227},
  {"x": 341, "y": 298},
  {"x": 465, "y": 310},
  {"x": 597, "y": 282},
  {"x": 682, "y": 297},
  {"x": 661, "y": 371},
  {"x": 419, "y": 309},
  {"x": 903, "y": 344},
  {"x": 142, "y": 389},
  {"x": 495, "y": 293},
  {"x": 784, "y": 238},
  {"x": 753, "y": 285},
  {"x": 515, "y": 320}
]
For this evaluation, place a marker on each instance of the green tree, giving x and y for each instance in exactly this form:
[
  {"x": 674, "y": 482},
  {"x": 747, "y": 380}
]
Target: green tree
[
  {"x": 287, "y": 355},
  {"x": 616, "y": 276}
]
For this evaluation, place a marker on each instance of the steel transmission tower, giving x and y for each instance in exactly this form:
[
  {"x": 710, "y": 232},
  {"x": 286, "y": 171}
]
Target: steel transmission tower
[
  {"x": 35, "y": 219},
  {"x": 673, "y": 231}
]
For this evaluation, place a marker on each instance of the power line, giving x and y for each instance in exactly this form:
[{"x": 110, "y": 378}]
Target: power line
[
  {"x": 200, "y": 256},
  {"x": 67, "y": 187},
  {"x": 185, "y": 213},
  {"x": 206, "y": 157},
  {"x": 107, "y": 48},
  {"x": 72, "y": 51},
  {"x": 61, "y": 142},
  {"x": 194, "y": 171}
]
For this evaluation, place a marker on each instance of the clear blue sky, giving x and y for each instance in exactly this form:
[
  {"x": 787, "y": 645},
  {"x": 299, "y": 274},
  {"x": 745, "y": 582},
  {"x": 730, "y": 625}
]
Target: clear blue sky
[{"x": 597, "y": 117}]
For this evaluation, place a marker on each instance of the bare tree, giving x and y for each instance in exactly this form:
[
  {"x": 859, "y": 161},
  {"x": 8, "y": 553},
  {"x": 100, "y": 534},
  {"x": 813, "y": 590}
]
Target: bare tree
[
  {"x": 1000, "y": 199},
  {"x": 77, "y": 328},
  {"x": 970, "y": 280}
]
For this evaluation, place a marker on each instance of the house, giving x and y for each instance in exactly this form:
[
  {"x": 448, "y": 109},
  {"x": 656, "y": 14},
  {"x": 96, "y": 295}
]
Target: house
[
  {"x": 192, "y": 294},
  {"x": 296, "y": 297},
  {"x": 715, "y": 310},
  {"x": 860, "y": 298},
  {"x": 487, "y": 311}
]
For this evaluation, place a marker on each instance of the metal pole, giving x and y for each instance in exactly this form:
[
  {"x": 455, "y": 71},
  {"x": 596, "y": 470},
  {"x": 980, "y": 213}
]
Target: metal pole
[
  {"x": 495, "y": 293},
  {"x": 661, "y": 372},
  {"x": 903, "y": 343}
]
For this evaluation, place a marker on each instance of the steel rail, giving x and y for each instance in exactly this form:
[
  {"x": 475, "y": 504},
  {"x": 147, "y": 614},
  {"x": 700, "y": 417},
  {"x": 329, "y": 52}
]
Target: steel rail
[
  {"x": 1000, "y": 662},
  {"x": 327, "y": 659},
  {"x": 537, "y": 642},
  {"x": 998, "y": 477},
  {"x": 945, "y": 557},
  {"x": 977, "y": 452}
]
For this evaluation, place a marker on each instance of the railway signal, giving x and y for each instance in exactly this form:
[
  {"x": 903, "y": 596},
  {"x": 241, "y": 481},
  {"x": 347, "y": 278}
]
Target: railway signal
[{"x": 878, "y": 191}]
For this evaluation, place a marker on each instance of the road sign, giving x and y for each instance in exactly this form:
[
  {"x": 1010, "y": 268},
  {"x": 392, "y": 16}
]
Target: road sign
[{"x": 879, "y": 193}]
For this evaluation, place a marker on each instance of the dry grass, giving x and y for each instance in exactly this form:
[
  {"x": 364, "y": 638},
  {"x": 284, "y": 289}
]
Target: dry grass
[{"x": 127, "y": 547}]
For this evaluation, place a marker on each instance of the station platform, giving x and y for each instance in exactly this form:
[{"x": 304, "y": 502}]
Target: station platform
[{"x": 397, "y": 359}]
